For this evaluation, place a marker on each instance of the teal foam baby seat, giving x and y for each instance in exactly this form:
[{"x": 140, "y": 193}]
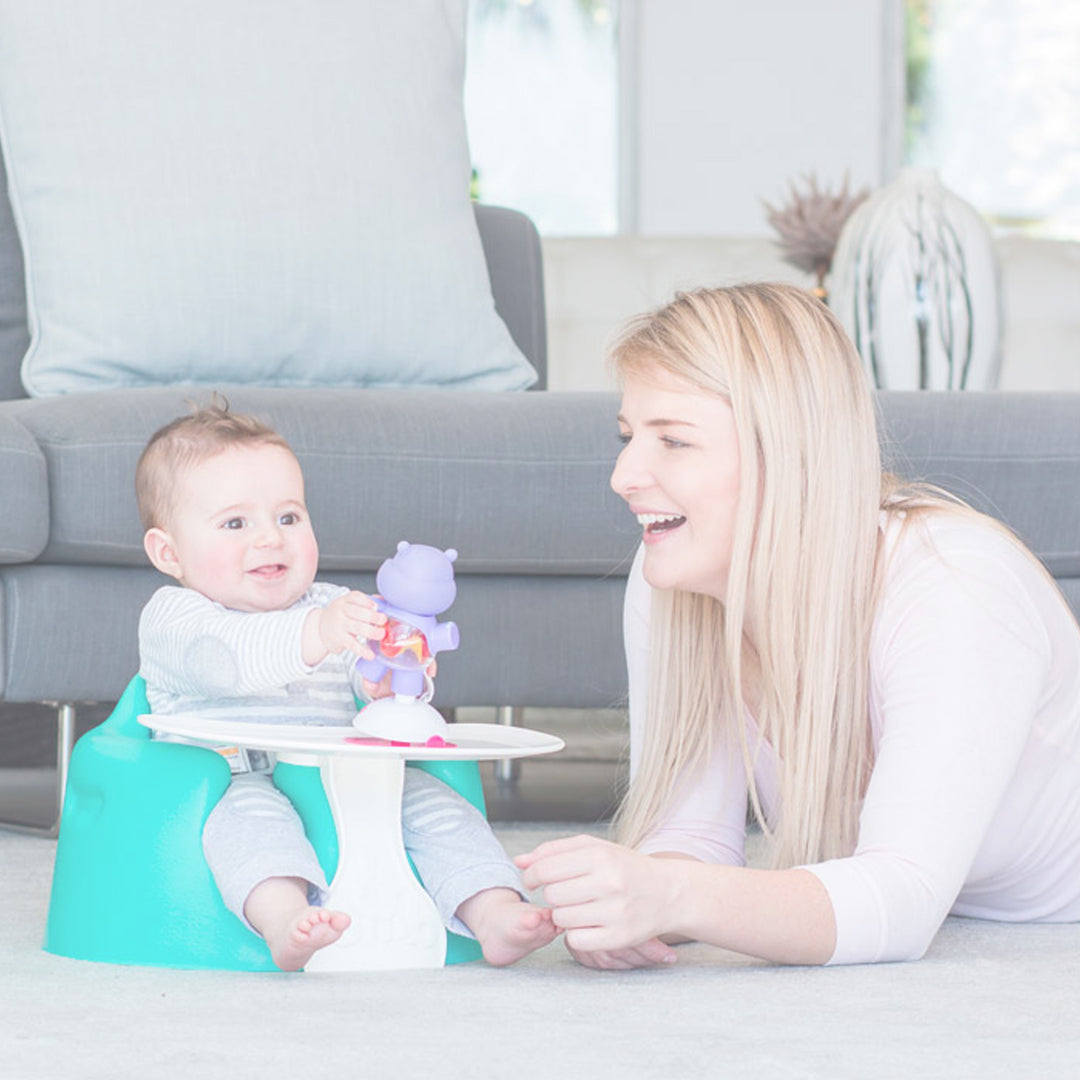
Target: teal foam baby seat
[{"x": 131, "y": 884}]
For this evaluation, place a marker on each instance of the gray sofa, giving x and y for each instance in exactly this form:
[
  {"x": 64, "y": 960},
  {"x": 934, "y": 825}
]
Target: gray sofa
[{"x": 517, "y": 482}]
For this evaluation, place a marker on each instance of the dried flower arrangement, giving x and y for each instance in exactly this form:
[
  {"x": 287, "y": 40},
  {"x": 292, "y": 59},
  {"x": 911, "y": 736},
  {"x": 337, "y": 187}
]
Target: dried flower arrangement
[{"x": 809, "y": 226}]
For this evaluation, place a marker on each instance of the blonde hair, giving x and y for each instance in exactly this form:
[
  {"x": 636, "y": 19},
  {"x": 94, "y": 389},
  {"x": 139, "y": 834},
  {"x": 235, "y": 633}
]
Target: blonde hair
[
  {"x": 187, "y": 441},
  {"x": 803, "y": 574}
]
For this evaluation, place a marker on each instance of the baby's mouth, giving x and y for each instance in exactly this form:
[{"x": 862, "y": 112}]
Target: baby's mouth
[
  {"x": 659, "y": 523},
  {"x": 269, "y": 571}
]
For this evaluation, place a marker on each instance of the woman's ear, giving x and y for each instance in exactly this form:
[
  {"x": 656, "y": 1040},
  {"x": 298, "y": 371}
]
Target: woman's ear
[{"x": 159, "y": 547}]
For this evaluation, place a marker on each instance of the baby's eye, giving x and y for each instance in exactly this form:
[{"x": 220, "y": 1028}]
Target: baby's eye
[
  {"x": 233, "y": 523},
  {"x": 289, "y": 518}
]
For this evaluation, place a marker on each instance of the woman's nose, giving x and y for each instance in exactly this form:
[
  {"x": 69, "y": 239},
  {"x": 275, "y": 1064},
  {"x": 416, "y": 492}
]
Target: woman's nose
[{"x": 628, "y": 475}]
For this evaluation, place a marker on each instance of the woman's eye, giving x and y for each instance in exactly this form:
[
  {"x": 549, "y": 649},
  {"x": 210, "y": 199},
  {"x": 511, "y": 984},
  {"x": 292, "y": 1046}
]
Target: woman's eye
[
  {"x": 624, "y": 437},
  {"x": 673, "y": 444}
]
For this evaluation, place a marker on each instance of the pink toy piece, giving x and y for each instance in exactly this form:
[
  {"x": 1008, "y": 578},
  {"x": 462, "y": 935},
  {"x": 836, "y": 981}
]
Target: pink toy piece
[{"x": 436, "y": 742}]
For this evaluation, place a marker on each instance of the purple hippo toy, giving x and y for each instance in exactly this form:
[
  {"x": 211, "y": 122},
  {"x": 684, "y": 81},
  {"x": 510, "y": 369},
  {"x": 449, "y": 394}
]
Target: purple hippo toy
[{"x": 415, "y": 585}]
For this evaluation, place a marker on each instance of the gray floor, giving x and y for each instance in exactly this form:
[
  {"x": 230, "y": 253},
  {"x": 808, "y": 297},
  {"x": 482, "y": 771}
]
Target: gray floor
[
  {"x": 989, "y": 1000},
  {"x": 579, "y": 784}
]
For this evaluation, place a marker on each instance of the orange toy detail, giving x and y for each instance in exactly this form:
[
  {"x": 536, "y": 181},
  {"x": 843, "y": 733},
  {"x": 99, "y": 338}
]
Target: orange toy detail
[{"x": 403, "y": 638}]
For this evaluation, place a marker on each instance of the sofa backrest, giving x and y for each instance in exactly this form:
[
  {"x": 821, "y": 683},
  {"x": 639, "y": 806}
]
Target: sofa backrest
[
  {"x": 1015, "y": 456},
  {"x": 511, "y": 248},
  {"x": 519, "y": 486},
  {"x": 14, "y": 335}
]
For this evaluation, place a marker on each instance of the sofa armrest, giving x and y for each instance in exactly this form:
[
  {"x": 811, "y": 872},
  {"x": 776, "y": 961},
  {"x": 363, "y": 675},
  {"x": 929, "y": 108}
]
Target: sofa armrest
[
  {"x": 515, "y": 266},
  {"x": 24, "y": 494}
]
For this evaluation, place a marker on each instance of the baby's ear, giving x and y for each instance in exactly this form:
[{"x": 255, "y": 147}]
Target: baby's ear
[{"x": 159, "y": 547}]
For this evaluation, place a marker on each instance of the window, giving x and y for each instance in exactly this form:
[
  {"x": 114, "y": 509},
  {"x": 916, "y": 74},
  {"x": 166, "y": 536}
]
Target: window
[
  {"x": 993, "y": 103},
  {"x": 541, "y": 102}
]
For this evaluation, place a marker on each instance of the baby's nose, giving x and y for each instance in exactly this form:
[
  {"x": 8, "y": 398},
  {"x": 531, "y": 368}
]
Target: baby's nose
[{"x": 269, "y": 535}]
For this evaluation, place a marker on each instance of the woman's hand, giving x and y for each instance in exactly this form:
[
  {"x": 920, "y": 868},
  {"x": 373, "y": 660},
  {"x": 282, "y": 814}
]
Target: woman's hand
[
  {"x": 612, "y": 902},
  {"x": 615, "y": 904},
  {"x": 649, "y": 953}
]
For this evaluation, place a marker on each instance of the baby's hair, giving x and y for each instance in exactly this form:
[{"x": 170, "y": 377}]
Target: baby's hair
[{"x": 187, "y": 441}]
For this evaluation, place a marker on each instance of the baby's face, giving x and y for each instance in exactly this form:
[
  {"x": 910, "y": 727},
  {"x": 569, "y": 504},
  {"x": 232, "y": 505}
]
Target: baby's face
[{"x": 240, "y": 531}]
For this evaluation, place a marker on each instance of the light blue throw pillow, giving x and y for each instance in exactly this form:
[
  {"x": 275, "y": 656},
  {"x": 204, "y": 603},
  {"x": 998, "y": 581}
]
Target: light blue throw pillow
[{"x": 246, "y": 191}]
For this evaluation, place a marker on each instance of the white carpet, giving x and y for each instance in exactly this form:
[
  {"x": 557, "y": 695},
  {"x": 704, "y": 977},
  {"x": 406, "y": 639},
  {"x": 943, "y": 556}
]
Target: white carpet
[{"x": 989, "y": 1000}]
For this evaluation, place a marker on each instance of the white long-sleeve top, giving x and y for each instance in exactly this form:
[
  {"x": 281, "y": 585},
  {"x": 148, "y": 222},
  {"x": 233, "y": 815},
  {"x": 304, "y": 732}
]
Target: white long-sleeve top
[
  {"x": 973, "y": 805},
  {"x": 197, "y": 655}
]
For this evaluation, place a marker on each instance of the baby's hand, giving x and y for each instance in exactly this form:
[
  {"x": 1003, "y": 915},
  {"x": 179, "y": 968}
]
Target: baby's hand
[
  {"x": 345, "y": 624},
  {"x": 375, "y": 690},
  {"x": 383, "y": 688}
]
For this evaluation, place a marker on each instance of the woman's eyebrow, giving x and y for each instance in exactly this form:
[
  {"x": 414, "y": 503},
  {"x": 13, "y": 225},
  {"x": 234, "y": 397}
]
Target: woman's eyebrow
[{"x": 662, "y": 421}]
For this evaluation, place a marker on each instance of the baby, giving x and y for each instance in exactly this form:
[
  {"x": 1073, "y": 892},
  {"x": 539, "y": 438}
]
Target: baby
[{"x": 249, "y": 634}]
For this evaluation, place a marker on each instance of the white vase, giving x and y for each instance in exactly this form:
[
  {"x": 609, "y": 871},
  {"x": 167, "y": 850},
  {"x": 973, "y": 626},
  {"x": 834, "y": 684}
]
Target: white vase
[{"x": 915, "y": 284}]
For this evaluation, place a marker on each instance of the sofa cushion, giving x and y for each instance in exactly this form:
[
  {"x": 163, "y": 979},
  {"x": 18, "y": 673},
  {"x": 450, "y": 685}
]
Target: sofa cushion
[
  {"x": 271, "y": 191},
  {"x": 1014, "y": 456},
  {"x": 510, "y": 650},
  {"x": 518, "y": 483},
  {"x": 24, "y": 494}
]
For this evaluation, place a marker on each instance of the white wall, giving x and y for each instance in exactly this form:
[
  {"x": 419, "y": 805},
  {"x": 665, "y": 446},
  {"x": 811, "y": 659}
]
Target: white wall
[
  {"x": 728, "y": 100},
  {"x": 594, "y": 285}
]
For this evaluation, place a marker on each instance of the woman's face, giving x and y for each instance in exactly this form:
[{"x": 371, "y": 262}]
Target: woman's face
[{"x": 679, "y": 474}]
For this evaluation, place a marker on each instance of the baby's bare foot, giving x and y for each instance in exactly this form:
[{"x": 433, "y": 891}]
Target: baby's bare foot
[
  {"x": 293, "y": 945},
  {"x": 506, "y": 926}
]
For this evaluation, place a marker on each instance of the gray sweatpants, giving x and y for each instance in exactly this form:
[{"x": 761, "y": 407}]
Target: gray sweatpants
[{"x": 254, "y": 833}]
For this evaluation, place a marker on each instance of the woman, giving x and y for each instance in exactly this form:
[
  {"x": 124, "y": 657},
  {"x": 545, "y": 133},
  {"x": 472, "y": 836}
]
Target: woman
[{"x": 889, "y": 679}]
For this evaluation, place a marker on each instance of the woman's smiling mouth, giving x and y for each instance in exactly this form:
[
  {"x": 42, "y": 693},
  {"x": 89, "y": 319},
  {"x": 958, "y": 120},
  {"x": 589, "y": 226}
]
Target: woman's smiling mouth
[{"x": 654, "y": 524}]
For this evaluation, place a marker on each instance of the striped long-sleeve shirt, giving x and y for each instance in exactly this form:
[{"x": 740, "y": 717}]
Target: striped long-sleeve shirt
[{"x": 199, "y": 656}]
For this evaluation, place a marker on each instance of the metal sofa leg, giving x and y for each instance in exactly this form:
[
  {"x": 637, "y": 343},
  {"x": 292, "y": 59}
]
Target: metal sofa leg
[
  {"x": 507, "y": 770},
  {"x": 65, "y": 741}
]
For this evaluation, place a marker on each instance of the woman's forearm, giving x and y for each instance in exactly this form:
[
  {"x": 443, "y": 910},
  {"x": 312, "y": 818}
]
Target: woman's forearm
[
  {"x": 610, "y": 898},
  {"x": 784, "y": 916}
]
